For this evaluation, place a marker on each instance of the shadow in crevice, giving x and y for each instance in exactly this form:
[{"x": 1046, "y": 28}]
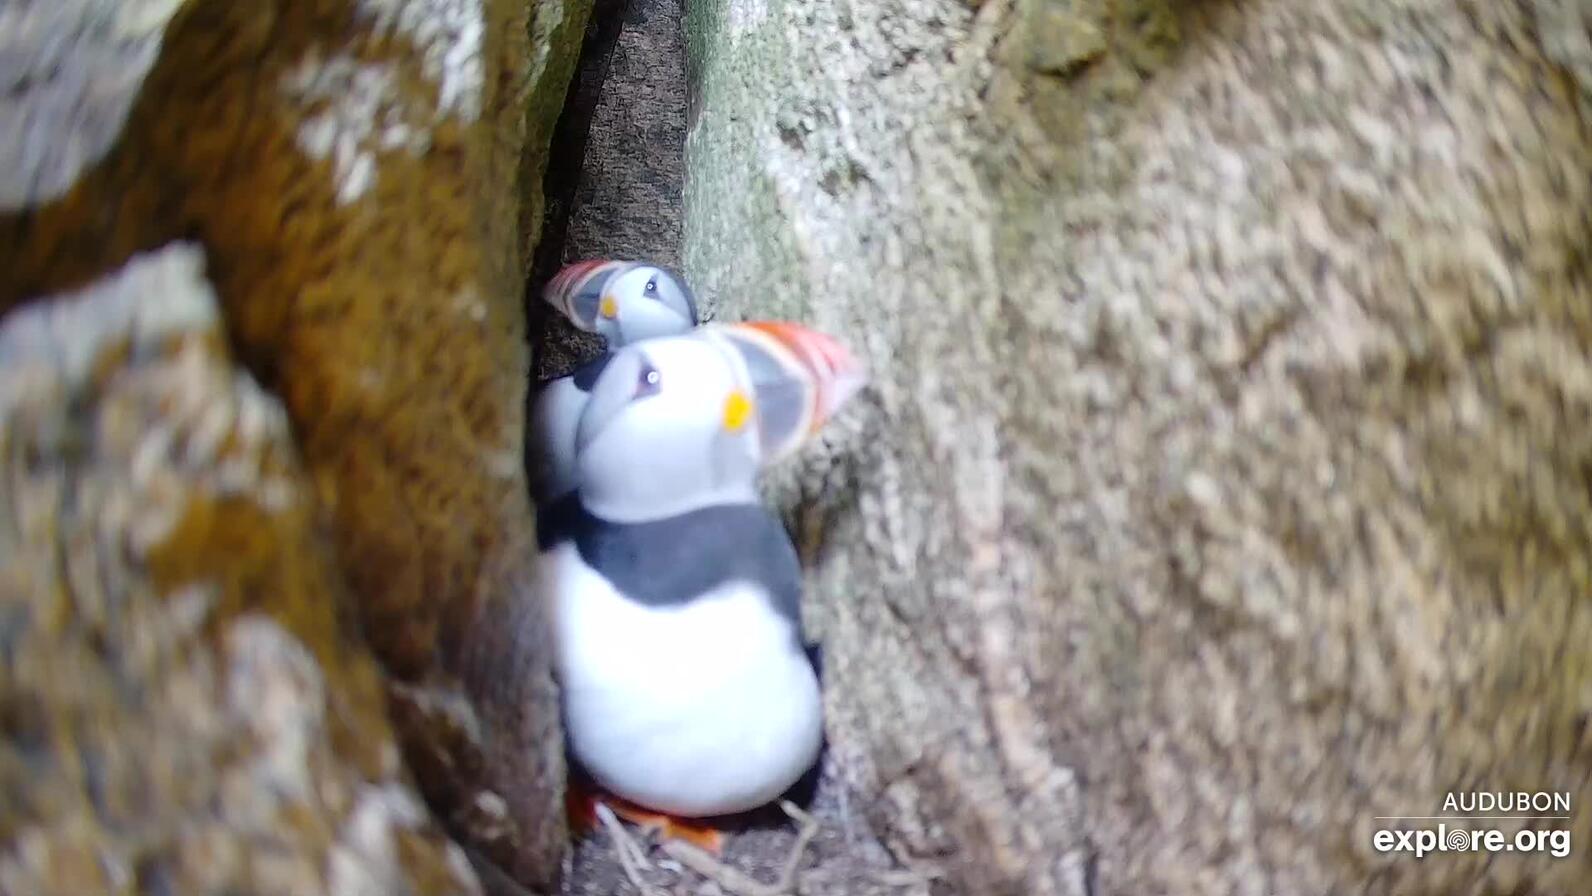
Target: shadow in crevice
[
  {"x": 615, "y": 178},
  {"x": 556, "y": 346}
]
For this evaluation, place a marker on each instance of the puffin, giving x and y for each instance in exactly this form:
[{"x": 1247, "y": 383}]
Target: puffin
[
  {"x": 622, "y": 301},
  {"x": 689, "y": 691}
]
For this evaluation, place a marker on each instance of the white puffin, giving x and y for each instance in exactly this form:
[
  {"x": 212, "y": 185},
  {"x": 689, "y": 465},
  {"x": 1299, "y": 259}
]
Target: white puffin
[
  {"x": 622, "y": 301},
  {"x": 687, "y": 688}
]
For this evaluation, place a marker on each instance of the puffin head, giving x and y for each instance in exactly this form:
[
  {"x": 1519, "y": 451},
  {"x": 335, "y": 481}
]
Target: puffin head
[
  {"x": 624, "y": 301},
  {"x": 679, "y": 423}
]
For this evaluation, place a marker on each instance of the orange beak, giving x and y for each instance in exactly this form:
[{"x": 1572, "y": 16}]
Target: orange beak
[
  {"x": 575, "y": 290},
  {"x": 836, "y": 374},
  {"x": 802, "y": 378}
]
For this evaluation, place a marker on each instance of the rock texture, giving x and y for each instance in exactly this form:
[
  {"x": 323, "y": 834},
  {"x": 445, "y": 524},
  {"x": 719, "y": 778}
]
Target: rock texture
[
  {"x": 619, "y": 166},
  {"x": 630, "y": 201},
  {"x": 351, "y": 172},
  {"x": 181, "y": 710},
  {"x": 1225, "y": 481},
  {"x": 615, "y": 188}
]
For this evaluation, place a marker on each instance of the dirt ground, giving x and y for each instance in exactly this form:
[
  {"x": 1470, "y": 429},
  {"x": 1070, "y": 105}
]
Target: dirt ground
[{"x": 842, "y": 859}]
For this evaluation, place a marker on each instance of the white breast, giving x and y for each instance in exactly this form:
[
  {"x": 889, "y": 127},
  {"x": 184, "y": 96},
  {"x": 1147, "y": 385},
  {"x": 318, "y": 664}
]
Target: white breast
[{"x": 703, "y": 709}]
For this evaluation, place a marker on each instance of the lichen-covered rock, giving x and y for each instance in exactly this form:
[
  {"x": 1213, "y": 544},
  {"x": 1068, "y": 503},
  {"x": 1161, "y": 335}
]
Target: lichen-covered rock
[
  {"x": 615, "y": 183},
  {"x": 181, "y": 710},
  {"x": 354, "y": 170},
  {"x": 1224, "y": 484},
  {"x": 58, "y": 119},
  {"x": 630, "y": 199}
]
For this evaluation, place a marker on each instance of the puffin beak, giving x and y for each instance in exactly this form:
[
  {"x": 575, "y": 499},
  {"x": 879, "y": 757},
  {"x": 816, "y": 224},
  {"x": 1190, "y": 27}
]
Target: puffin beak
[
  {"x": 737, "y": 409},
  {"x": 800, "y": 379},
  {"x": 576, "y": 292}
]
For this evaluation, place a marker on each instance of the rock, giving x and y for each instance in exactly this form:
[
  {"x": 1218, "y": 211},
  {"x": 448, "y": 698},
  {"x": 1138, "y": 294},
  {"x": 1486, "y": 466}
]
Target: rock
[
  {"x": 61, "y": 118},
  {"x": 361, "y": 175},
  {"x": 616, "y": 182},
  {"x": 630, "y": 201},
  {"x": 1223, "y": 484},
  {"x": 181, "y": 710}
]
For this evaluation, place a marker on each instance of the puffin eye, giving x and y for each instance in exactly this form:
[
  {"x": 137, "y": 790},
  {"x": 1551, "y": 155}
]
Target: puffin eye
[
  {"x": 648, "y": 382},
  {"x": 652, "y": 286}
]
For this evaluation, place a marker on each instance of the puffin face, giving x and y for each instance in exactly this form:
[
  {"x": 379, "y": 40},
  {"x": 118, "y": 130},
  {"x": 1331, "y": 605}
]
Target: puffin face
[
  {"x": 669, "y": 427},
  {"x": 644, "y": 302},
  {"x": 686, "y": 421},
  {"x": 623, "y": 301}
]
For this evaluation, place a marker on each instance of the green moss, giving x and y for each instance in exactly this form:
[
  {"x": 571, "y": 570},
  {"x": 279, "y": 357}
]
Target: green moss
[
  {"x": 731, "y": 198},
  {"x": 556, "y": 30}
]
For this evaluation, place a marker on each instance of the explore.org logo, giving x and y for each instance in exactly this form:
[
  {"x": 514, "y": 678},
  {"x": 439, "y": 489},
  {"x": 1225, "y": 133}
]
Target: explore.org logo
[{"x": 1513, "y": 810}]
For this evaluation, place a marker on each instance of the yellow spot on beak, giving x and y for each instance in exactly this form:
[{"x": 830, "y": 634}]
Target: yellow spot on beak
[
  {"x": 737, "y": 410},
  {"x": 609, "y": 308}
]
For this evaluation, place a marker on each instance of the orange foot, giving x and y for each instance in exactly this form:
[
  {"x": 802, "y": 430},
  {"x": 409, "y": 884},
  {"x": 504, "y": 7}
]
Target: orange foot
[{"x": 581, "y": 805}]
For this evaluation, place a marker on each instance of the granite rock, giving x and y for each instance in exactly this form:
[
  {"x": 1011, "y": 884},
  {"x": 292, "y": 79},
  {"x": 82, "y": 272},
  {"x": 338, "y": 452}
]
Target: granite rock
[
  {"x": 362, "y": 178},
  {"x": 1223, "y": 484},
  {"x": 181, "y": 708}
]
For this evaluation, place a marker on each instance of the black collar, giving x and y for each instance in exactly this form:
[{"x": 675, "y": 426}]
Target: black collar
[{"x": 671, "y": 561}]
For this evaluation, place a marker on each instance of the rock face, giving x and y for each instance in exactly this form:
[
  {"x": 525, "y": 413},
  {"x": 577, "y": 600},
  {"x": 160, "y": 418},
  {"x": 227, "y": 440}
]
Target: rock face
[
  {"x": 630, "y": 201},
  {"x": 1224, "y": 484},
  {"x": 181, "y": 710},
  {"x": 616, "y": 185},
  {"x": 348, "y": 169}
]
